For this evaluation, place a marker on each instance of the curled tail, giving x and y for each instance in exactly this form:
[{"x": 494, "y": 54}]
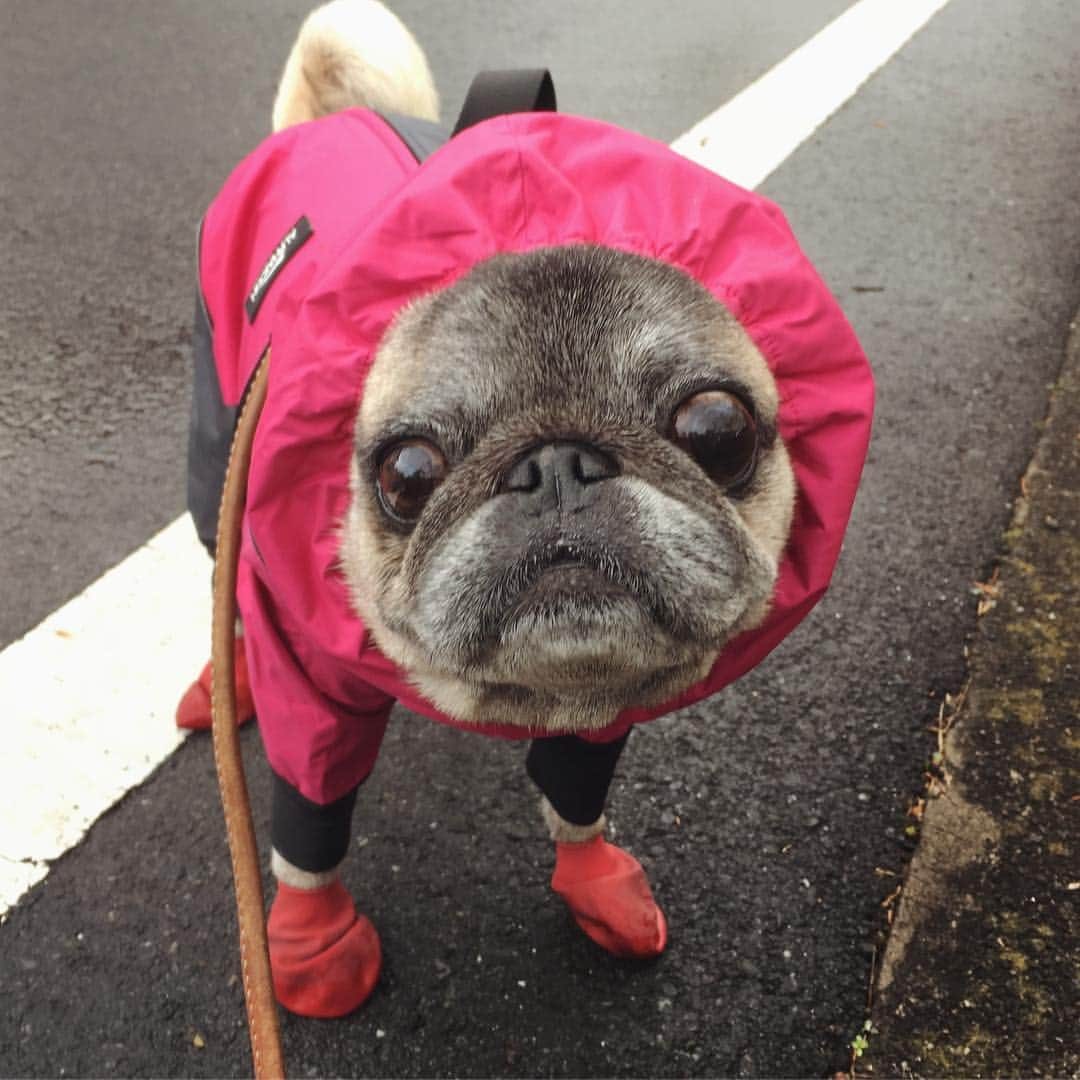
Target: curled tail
[{"x": 354, "y": 53}]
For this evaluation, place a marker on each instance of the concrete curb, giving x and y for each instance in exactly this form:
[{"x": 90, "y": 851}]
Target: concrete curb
[{"x": 979, "y": 974}]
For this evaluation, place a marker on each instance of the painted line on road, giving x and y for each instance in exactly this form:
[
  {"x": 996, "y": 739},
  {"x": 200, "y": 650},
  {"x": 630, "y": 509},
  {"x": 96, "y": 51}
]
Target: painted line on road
[
  {"x": 93, "y": 688},
  {"x": 749, "y": 137}
]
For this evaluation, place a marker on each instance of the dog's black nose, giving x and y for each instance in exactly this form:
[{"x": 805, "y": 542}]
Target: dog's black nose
[{"x": 559, "y": 475}]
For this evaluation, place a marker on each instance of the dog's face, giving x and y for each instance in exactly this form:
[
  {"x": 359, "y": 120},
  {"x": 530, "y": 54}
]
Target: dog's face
[{"x": 567, "y": 489}]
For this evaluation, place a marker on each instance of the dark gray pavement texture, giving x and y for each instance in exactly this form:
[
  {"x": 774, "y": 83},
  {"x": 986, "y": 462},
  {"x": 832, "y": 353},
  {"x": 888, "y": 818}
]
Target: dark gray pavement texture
[
  {"x": 940, "y": 204},
  {"x": 980, "y": 974}
]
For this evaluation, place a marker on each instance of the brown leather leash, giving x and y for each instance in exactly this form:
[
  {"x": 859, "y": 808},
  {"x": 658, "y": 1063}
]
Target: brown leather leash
[{"x": 247, "y": 879}]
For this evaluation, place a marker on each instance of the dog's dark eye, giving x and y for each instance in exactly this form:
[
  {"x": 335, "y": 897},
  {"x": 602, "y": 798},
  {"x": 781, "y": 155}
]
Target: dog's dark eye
[
  {"x": 408, "y": 476},
  {"x": 718, "y": 431}
]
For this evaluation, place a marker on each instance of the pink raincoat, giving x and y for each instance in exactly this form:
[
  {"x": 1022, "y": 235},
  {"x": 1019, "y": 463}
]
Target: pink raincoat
[{"x": 384, "y": 229}]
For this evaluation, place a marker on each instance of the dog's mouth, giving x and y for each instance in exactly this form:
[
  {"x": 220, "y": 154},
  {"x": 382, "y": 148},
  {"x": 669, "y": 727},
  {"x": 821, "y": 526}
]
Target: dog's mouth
[
  {"x": 568, "y": 604},
  {"x": 566, "y": 588},
  {"x": 570, "y": 614},
  {"x": 565, "y": 580}
]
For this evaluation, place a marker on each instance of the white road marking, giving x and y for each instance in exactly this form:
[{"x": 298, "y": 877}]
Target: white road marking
[
  {"x": 749, "y": 137},
  {"x": 95, "y": 685}
]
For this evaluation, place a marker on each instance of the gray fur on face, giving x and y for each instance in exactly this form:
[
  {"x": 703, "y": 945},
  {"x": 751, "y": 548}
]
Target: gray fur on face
[{"x": 559, "y": 613}]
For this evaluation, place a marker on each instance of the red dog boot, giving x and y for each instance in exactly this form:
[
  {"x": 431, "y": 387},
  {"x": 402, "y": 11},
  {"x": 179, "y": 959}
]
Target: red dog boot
[
  {"x": 609, "y": 896},
  {"x": 193, "y": 712},
  {"x": 325, "y": 959}
]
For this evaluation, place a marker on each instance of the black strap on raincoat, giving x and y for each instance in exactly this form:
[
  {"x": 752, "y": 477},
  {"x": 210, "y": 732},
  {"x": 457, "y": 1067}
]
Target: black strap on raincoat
[{"x": 493, "y": 93}]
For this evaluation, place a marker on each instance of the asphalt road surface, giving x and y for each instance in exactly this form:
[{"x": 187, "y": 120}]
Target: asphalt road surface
[{"x": 941, "y": 206}]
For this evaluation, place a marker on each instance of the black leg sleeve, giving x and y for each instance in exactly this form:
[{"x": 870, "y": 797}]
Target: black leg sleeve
[
  {"x": 312, "y": 837},
  {"x": 574, "y": 774}
]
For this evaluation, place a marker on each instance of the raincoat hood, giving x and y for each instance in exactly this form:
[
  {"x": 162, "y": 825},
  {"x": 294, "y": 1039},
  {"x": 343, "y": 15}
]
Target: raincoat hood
[{"x": 510, "y": 184}]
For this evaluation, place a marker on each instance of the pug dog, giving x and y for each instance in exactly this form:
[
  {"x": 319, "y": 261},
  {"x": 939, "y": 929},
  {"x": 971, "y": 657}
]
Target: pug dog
[{"x": 533, "y": 483}]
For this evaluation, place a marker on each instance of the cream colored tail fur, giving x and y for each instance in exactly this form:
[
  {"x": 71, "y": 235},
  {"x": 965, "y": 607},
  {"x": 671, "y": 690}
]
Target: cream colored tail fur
[{"x": 354, "y": 53}]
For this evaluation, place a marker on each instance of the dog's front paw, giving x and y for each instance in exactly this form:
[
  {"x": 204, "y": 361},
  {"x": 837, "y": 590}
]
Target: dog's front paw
[
  {"x": 609, "y": 896},
  {"x": 324, "y": 957}
]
